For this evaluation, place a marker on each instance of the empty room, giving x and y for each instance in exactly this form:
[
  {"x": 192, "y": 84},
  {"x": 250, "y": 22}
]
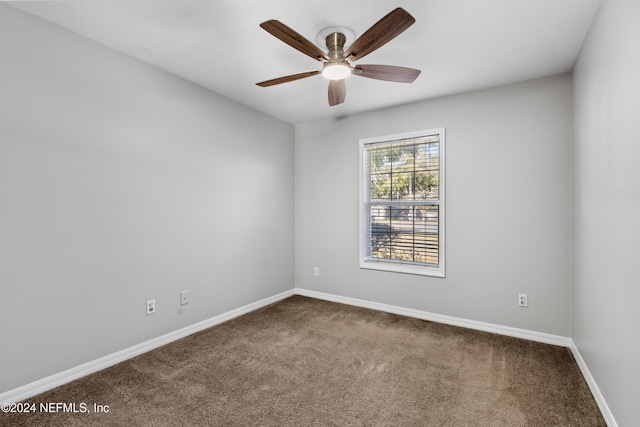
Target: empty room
[{"x": 245, "y": 213}]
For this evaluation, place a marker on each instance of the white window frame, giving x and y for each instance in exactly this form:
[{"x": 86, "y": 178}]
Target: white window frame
[{"x": 404, "y": 267}]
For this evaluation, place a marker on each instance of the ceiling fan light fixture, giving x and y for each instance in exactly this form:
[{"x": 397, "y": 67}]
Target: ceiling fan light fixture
[
  {"x": 338, "y": 63},
  {"x": 336, "y": 71}
]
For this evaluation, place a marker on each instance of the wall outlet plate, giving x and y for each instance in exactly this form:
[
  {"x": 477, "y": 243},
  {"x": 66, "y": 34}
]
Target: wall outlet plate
[
  {"x": 184, "y": 297},
  {"x": 151, "y": 306},
  {"x": 523, "y": 300}
]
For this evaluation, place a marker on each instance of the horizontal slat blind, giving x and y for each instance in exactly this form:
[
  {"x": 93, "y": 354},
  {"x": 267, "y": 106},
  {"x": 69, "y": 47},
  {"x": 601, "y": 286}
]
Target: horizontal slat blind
[{"x": 401, "y": 200}]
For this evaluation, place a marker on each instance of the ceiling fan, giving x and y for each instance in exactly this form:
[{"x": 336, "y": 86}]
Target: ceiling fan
[{"x": 339, "y": 63}]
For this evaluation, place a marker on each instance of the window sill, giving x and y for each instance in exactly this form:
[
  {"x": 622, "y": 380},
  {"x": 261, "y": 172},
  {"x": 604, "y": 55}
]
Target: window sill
[{"x": 421, "y": 270}]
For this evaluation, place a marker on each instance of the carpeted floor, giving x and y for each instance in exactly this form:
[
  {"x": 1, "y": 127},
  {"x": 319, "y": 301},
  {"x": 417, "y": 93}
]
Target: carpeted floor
[{"x": 307, "y": 362}]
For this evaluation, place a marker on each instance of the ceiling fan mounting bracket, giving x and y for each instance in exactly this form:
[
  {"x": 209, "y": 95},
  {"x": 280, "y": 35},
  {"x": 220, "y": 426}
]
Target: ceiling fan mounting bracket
[{"x": 321, "y": 38}]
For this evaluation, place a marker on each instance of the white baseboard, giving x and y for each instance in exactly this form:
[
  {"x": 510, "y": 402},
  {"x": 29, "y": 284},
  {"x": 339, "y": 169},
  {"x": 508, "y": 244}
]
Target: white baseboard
[
  {"x": 595, "y": 390},
  {"x": 449, "y": 320},
  {"x": 482, "y": 326},
  {"x": 45, "y": 384}
]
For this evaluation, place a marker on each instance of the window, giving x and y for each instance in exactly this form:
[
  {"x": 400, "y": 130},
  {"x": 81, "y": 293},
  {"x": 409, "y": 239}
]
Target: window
[{"x": 402, "y": 203}]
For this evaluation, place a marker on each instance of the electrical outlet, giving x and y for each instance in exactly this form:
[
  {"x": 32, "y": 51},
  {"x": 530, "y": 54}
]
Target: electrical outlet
[
  {"x": 523, "y": 301},
  {"x": 316, "y": 271},
  {"x": 151, "y": 306},
  {"x": 184, "y": 297}
]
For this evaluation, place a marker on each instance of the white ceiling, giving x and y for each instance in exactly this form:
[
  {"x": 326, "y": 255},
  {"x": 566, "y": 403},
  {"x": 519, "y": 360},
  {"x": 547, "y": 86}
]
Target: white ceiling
[{"x": 460, "y": 45}]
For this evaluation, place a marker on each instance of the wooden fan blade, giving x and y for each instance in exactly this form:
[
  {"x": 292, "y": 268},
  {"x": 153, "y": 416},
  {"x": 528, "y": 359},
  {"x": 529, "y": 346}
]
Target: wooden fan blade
[
  {"x": 293, "y": 39},
  {"x": 387, "y": 72},
  {"x": 380, "y": 33},
  {"x": 337, "y": 92},
  {"x": 286, "y": 79}
]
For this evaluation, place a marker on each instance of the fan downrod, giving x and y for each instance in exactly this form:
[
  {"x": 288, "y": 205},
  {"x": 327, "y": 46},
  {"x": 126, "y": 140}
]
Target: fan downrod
[{"x": 335, "y": 44}]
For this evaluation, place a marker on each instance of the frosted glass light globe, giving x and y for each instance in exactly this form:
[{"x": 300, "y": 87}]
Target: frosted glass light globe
[{"x": 336, "y": 71}]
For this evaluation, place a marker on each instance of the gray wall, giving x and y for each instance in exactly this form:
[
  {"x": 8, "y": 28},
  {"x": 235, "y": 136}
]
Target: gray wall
[
  {"x": 120, "y": 183},
  {"x": 508, "y": 200},
  {"x": 606, "y": 206}
]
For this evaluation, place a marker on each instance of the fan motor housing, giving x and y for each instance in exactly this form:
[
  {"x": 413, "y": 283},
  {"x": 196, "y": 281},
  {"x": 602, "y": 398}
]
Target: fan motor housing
[{"x": 335, "y": 44}]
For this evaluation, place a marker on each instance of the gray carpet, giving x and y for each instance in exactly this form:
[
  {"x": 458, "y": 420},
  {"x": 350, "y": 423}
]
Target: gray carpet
[{"x": 307, "y": 362}]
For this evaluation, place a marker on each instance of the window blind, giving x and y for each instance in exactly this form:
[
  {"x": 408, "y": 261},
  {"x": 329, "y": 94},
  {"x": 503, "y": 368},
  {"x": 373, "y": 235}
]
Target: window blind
[{"x": 401, "y": 196}]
